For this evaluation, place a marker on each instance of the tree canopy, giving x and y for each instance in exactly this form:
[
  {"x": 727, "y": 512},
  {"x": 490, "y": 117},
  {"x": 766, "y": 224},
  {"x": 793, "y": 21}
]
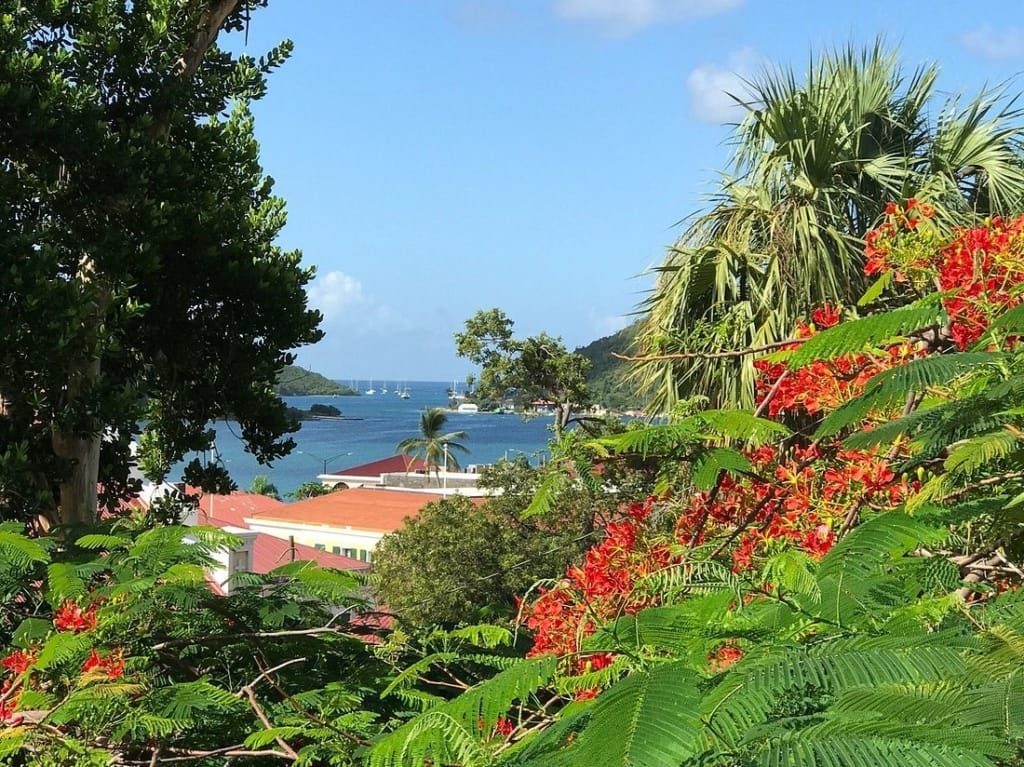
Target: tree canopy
[
  {"x": 533, "y": 368},
  {"x": 144, "y": 278}
]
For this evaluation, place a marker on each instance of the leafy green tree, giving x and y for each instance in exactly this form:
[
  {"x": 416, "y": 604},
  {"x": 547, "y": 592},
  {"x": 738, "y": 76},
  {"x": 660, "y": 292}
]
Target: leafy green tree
[
  {"x": 117, "y": 652},
  {"x": 461, "y": 562},
  {"x": 816, "y": 158},
  {"x": 310, "y": 490},
  {"x": 261, "y": 485},
  {"x": 433, "y": 444},
  {"x": 144, "y": 282},
  {"x": 537, "y": 367}
]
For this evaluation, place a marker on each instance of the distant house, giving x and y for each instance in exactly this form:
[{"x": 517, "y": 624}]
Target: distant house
[
  {"x": 372, "y": 474},
  {"x": 407, "y": 473},
  {"x": 259, "y": 552},
  {"x": 349, "y": 523}
]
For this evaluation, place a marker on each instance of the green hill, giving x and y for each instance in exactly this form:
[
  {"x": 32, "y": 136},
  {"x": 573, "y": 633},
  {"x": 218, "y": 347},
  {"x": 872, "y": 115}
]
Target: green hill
[
  {"x": 605, "y": 377},
  {"x": 297, "y": 382}
]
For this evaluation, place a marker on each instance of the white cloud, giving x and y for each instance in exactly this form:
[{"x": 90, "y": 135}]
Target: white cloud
[
  {"x": 335, "y": 293},
  {"x": 711, "y": 87},
  {"x": 348, "y": 308},
  {"x": 627, "y": 16},
  {"x": 1006, "y": 43}
]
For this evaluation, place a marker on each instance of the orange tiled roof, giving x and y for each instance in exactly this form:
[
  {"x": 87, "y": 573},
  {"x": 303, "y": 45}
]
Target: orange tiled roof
[
  {"x": 234, "y": 508},
  {"x": 381, "y": 511}
]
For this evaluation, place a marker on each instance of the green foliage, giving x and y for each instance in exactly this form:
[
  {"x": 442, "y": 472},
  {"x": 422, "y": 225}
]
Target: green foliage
[
  {"x": 784, "y": 232},
  {"x": 871, "y": 331},
  {"x": 267, "y": 665},
  {"x": 459, "y": 562},
  {"x": 607, "y": 375},
  {"x": 452, "y": 731},
  {"x": 897, "y": 383},
  {"x": 261, "y": 485}
]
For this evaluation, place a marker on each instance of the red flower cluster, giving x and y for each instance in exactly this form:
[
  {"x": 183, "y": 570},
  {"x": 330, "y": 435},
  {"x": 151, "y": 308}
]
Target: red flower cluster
[
  {"x": 9, "y": 703},
  {"x": 112, "y": 665},
  {"x": 723, "y": 657},
  {"x": 18, "y": 662},
  {"x": 981, "y": 267},
  {"x": 71, "y": 617},
  {"x": 803, "y": 497},
  {"x": 600, "y": 589},
  {"x": 823, "y": 385}
]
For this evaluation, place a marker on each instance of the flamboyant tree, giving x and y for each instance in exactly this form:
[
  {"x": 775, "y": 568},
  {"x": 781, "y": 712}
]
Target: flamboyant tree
[
  {"x": 140, "y": 278},
  {"x": 845, "y": 591}
]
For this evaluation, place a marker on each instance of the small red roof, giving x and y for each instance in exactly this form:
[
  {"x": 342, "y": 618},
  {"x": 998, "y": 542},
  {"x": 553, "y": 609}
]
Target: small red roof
[
  {"x": 361, "y": 508},
  {"x": 393, "y": 465}
]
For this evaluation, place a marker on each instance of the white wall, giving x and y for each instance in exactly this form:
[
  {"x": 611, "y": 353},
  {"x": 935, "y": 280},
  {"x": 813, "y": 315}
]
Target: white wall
[{"x": 358, "y": 544}]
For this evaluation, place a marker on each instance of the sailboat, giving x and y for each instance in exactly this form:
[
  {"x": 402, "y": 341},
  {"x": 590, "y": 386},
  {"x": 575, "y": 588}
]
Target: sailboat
[
  {"x": 404, "y": 393},
  {"x": 384, "y": 390},
  {"x": 371, "y": 390}
]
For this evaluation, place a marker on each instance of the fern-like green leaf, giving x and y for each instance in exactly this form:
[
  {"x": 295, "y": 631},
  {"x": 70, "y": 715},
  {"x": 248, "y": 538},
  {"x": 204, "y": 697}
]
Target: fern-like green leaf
[
  {"x": 893, "y": 385},
  {"x": 442, "y": 732},
  {"x": 17, "y": 551},
  {"x": 649, "y": 719},
  {"x": 871, "y": 331},
  {"x": 740, "y": 426},
  {"x": 710, "y": 463},
  {"x": 974, "y": 454}
]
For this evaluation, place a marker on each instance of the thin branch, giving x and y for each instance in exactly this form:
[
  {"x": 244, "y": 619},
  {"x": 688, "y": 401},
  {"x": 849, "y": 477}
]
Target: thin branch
[
  {"x": 328, "y": 629},
  {"x": 987, "y": 482},
  {"x": 770, "y": 395},
  {"x": 210, "y": 23},
  {"x": 249, "y": 692}
]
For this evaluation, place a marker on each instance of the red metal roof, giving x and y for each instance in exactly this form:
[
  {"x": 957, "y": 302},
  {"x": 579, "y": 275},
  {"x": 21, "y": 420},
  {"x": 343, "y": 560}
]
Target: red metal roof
[
  {"x": 394, "y": 464},
  {"x": 269, "y": 552}
]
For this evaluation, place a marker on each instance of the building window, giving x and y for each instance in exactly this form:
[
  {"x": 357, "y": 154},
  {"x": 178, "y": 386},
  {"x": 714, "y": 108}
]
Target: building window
[
  {"x": 320, "y": 546},
  {"x": 240, "y": 561},
  {"x": 350, "y": 553},
  {"x": 335, "y": 549},
  {"x": 362, "y": 555}
]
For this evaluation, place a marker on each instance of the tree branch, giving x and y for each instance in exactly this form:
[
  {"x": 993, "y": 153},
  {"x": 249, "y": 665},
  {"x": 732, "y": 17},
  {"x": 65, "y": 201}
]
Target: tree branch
[{"x": 210, "y": 22}]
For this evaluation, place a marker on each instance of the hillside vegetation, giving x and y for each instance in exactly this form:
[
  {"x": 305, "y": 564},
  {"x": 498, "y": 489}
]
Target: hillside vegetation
[
  {"x": 605, "y": 377},
  {"x": 296, "y": 381}
]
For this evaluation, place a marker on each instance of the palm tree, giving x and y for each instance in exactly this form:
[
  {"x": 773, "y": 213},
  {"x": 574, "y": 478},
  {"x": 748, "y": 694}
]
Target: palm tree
[
  {"x": 815, "y": 162},
  {"x": 433, "y": 445}
]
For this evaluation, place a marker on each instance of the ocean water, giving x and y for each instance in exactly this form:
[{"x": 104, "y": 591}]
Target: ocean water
[{"x": 373, "y": 427}]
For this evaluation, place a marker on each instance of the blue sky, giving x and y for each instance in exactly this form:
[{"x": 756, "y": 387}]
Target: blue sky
[{"x": 535, "y": 155}]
